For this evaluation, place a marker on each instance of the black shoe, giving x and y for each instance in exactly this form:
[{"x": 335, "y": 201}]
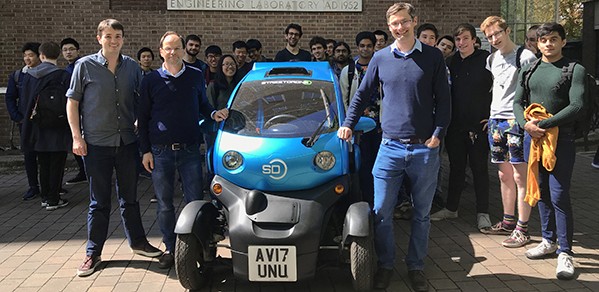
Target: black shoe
[
  {"x": 61, "y": 203},
  {"x": 418, "y": 280},
  {"x": 31, "y": 193},
  {"x": 147, "y": 250},
  {"x": 63, "y": 192},
  {"x": 166, "y": 261},
  {"x": 78, "y": 179},
  {"x": 382, "y": 278}
]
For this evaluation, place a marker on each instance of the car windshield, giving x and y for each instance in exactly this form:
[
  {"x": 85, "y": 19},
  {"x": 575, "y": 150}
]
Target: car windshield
[{"x": 283, "y": 108}]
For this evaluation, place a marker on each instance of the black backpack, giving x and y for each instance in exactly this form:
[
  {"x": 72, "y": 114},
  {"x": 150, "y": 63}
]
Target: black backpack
[
  {"x": 588, "y": 118},
  {"x": 50, "y": 109}
]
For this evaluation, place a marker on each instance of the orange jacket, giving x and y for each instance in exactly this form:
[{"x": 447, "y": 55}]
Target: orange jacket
[{"x": 540, "y": 148}]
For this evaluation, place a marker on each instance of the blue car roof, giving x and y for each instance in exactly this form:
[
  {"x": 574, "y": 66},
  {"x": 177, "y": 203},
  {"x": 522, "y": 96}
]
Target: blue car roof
[{"x": 311, "y": 70}]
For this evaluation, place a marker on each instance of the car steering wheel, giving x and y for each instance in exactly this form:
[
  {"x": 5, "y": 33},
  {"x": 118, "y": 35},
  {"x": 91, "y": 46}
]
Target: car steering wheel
[{"x": 272, "y": 120}]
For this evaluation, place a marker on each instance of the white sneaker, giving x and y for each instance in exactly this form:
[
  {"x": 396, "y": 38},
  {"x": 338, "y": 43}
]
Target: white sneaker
[
  {"x": 483, "y": 221},
  {"x": 444, "y": 214},
  {"x": 565, "y": 267},
  {"x": 543, "y": 249}
]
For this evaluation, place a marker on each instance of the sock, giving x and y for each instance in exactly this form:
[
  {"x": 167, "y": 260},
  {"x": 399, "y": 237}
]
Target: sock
[
  {"x": 509, "y": 221},
  {"x": 522, "y": 226}
]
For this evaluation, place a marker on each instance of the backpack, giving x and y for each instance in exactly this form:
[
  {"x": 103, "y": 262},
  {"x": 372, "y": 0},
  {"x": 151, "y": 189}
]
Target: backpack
[
  {"x": 50, "y": 109},
  {"x": 518, "y": 57},
  {"x": 588, "y": 118}
]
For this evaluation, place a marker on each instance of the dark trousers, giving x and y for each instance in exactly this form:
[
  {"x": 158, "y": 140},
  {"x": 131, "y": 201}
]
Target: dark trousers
[
  {"x": 462, "y": 152},
  {"x": 100, "y": 162},
  {"x": 555, "y": 209},
  {"x": 30, "y": 159},
  {"x": 369, "y": 147},
  {"x": 51, "y": 171},
  {"x": 80, "y": 164}
]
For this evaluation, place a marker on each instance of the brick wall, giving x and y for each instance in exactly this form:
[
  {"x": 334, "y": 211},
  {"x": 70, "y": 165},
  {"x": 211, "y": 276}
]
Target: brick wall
[{"x": 145, "y": 21}]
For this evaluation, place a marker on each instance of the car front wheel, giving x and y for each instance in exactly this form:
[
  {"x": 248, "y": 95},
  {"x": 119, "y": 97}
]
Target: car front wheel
[
  {"x": 362, "y": 258},
  {"x": 189, "y": 262}
]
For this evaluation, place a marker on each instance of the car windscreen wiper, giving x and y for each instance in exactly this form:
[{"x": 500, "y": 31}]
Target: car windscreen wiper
[{"x": 309, "y": 142}]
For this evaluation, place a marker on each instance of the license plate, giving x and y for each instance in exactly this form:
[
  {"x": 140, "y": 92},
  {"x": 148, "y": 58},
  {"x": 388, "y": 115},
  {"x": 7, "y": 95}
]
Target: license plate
[{"x": 272, "y": 263}]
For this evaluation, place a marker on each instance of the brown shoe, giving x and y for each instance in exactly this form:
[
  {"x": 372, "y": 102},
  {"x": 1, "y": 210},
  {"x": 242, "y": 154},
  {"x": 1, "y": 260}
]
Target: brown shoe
[{"x": 88, "y": 266}]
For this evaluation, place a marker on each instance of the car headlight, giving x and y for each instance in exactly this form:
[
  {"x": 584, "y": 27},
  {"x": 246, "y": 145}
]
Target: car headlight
[
  {"x": 232, "y": 160},
  {"x": 325, "y": 160}
]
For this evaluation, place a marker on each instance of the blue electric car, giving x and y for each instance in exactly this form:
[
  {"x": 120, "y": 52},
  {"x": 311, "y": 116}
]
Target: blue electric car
[{"x": 284, "y": 187}]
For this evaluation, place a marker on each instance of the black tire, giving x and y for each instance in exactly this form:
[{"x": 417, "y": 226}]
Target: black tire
[
  {"x": 189, "y": 262},
  {"x": 362, "y": 262}
]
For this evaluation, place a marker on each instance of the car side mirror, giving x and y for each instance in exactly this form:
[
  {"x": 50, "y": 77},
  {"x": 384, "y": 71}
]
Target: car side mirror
[{"x": 365, "y": 124}]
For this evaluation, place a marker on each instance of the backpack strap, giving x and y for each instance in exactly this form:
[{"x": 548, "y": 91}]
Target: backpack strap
[
  {"x": 525, "y": 80},
  {"x": 519, "y": 56},
  {"x": 566, "y": 78}
]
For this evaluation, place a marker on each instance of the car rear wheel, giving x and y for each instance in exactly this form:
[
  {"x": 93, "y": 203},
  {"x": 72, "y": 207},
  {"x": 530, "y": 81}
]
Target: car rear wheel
[
  {"x": 189, "y": 262},
  {"x": 362, "y": 260}
]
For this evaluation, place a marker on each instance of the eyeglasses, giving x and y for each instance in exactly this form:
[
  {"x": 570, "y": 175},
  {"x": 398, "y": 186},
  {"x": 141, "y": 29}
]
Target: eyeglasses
[
  {"x": 232, "y": 65},
  {"x": 170, "y": 50},
  {"x": 495, "y": 35},
  {"x": 211, "y": 56},
  {"x": 404, "y": 22}
]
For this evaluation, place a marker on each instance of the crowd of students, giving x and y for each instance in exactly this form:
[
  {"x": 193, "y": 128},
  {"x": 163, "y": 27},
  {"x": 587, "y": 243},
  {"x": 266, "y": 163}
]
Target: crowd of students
[{"x": 427, "y": 93}]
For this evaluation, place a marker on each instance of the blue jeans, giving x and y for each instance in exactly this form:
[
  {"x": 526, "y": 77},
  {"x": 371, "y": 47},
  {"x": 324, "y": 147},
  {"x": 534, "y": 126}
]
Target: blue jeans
[
  {"x": 100, "y": 162},
  {"x": 420, "y": 164},
  {"x": 187, "y": 161},
  {"x": 555, "y": 209}
]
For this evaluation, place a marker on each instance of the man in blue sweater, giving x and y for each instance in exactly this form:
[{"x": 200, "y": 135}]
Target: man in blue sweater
[
  {"x": 172, "y": 99},
  {"x": 416, "y": 111}
]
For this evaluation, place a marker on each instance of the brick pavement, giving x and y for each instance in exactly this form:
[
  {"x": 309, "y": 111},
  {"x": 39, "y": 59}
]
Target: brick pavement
[{"x": 40, "y": 250}]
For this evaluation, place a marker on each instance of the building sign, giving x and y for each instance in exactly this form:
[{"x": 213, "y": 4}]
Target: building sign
[{"x": 268, "y": 5}]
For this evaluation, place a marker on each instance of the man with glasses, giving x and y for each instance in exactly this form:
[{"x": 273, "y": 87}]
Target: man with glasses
[
  {"x": 292, "y": 51},
  {"x": 171, "y": 100},
  {"x": 341, "y": 57},
  {"x": 416, "y": 114},
  {"x": 213, "y": 54},
  {"x": 504, "y": 134}
]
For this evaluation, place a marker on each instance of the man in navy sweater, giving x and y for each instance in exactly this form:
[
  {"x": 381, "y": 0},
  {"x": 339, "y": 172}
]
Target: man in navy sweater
[
  {"x": 172, "y": 99},
  {"x": 416, "y": 111}
]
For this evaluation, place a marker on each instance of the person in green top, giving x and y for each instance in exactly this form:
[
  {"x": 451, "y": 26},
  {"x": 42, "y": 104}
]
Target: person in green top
[{"x": 564, "y": 104}]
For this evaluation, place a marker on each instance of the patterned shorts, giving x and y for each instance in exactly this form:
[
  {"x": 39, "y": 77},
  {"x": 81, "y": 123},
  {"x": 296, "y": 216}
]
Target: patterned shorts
[{"x": 506, "y": 141}]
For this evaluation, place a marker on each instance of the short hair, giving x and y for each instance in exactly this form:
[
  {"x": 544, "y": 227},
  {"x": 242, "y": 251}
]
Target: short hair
[
  {"x": 31, "y": 46},
  {"x": 493, "y": 20},
  {"x": 427, "y": 26},
  {"x": 533, "y": 27},
  {"x": 168, "y": 33},
  {"x": 67, "y": 41},
  {"x": 329, "y": 41},
  {"x": 112, "y": 23},
  {"x": 143, "y": 50},
  {"x": 213, "y": 49},
  {"x": 549, "y": 27},
  {"x": 240, "y": 45},
  {"x": 192, "y": 37},
  {"x": 318, "y": 40},
  {"x": 447, "y": 37},
  {"x": 462, "y": 27},
  {"x": 294, "y": 26},
  {"x": 50, "y": 49},
  {"x": 365, "y": 35},
  {"x": 338, "y": 44},
  {"x": 254, "y": 44},
  {"x": 380, "y": 32},
  {"x": 399, "y": 6}
]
